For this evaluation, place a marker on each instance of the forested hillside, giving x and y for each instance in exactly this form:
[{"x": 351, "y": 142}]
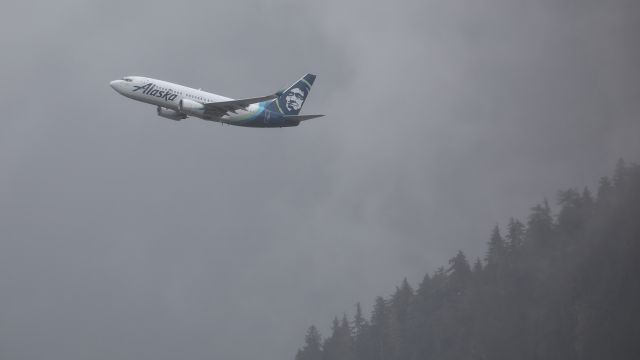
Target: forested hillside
[{"x": 556, "y": 286}]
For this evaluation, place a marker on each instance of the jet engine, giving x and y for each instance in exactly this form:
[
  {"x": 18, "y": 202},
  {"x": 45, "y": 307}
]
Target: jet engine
[
  {"x": 171, "y": 114},
  {"x": 191, "y": 107}
]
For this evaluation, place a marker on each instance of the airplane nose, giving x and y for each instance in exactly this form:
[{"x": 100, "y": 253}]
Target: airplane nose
[{"x": 114, "y": 84}]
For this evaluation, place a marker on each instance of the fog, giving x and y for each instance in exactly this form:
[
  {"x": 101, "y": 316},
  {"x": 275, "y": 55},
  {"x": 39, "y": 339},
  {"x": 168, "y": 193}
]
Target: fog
[{"x": 126, "y": 235}]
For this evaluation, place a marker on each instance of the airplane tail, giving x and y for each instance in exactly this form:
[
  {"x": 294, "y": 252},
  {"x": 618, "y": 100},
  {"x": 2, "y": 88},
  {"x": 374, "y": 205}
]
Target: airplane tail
[{"x": 292, "y": 99}]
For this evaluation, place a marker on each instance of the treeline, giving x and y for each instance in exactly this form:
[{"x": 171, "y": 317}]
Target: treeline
[{"x": 559, "y": 286}]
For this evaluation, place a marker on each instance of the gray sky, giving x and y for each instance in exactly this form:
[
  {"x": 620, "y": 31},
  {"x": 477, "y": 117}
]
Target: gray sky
[{"x": 129, "y": 236}]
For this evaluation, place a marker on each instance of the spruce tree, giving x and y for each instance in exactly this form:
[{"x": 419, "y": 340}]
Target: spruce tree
[
  {"x": 312, "y": 349},
  {"x": 497, "y": 249},
  {"x": 540, "y": 226},
  {"x": 566, "y": 291},
  {"x": 515, "y": 236},
  {"x": 361, "y": 335}
]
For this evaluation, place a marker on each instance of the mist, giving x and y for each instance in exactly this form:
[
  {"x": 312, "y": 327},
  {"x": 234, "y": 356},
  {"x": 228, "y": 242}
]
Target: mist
[{"x": 125, "y": 235}]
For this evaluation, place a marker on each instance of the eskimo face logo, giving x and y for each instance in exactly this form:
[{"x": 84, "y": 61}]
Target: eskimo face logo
[
  {"x": 294, "y": 98},
  {"x": 150, "y": 89}
]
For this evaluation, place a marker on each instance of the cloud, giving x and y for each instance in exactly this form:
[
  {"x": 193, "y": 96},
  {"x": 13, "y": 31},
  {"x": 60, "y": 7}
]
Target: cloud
[{"x": 128, "y": 235}]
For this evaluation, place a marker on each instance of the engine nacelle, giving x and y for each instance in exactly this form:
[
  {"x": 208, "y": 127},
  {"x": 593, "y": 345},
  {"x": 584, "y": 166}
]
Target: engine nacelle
[
  {"x": 191, "y": 107},
  {"x": 171, "y": 114}
]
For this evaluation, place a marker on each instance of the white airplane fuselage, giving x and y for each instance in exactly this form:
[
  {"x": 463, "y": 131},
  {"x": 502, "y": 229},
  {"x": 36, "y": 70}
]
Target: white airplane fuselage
[{"x": 177, "y": 102}]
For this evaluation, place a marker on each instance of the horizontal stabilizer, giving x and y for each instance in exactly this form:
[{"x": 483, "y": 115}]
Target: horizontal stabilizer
[{"x": 301, "y": 117}]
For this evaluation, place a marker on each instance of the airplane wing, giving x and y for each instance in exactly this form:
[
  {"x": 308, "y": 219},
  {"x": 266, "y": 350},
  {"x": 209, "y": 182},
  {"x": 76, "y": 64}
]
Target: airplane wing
[{"x": 223, "y": 107}]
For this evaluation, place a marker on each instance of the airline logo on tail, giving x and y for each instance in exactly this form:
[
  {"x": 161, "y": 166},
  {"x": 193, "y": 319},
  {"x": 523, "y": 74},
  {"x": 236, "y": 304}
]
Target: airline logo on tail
[{"x": 292, "y": 99}]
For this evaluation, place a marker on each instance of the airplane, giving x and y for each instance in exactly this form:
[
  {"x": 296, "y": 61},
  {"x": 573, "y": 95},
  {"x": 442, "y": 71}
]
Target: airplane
[{"x": 177, "y": 102}]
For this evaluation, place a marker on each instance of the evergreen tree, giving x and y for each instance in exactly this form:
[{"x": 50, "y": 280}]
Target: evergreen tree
[
  {"x": 360, "y": 323},
  {"x": 420, "y": 323},
  {"x": 401, "y": 300},
  {"x": 347, "y": 349},
  {"x": 566, "y": 290},
  {"x": 515, "y": 236},
  {"x": 330, "y": 348},
  {"x": 312, "y": 349},
  {"x": 587, "y": 198},
  {"x": 459, "y": 274},
  {"x": 339, "y": 346},
  {"x": 572, "y": 212},
  {"x": 496, "y": 254},
  {"x": 540, "y": 225},
  {"x": 361, "y": 335},
  {"x": 620, "y": 174},
  {"x": 380, "y": 330},
  {"x": 400, "y": 304}
]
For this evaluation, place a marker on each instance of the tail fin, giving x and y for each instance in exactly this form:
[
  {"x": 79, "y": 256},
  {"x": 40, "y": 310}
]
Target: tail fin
[{"x": 292, "y": 99}]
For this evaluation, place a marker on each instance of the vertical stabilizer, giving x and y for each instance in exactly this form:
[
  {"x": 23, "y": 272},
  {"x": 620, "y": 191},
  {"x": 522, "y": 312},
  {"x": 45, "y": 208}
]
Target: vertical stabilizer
[{"x": 292, "y": 99}]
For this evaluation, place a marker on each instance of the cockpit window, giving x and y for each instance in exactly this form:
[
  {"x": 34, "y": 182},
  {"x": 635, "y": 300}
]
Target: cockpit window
[{"x": 127, "y": 79}]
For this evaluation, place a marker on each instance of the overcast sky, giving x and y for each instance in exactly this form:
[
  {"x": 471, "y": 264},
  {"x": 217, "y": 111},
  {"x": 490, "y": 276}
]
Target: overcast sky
[{"x": 129, "y": 236}]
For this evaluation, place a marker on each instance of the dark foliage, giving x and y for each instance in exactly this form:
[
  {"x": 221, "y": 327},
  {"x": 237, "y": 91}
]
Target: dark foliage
[{"x": 560, "y": 287}]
